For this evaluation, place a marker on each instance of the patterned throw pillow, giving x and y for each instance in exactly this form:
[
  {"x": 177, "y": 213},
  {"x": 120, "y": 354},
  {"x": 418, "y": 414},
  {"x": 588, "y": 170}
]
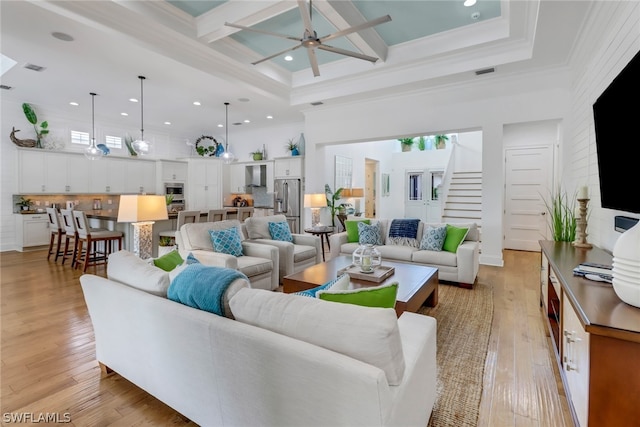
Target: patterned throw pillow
[
  {"x": 227, "y": 241},
  {"x": 403, "y": 232},
  {"x": 280, "y": 231},
  {"x": 340, "y": 283},
  {"x": 370, "y": 234},
  {"x": 433, "y": 238},
  {"x": 351, "y": 227}
]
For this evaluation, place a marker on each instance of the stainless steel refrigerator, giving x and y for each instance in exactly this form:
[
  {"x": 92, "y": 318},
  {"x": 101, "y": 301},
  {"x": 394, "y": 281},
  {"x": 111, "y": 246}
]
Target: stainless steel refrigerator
[{"x": 287, "y": 201}]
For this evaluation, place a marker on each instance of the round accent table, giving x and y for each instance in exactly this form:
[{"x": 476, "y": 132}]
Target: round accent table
[{"x": 323, "y": 232}]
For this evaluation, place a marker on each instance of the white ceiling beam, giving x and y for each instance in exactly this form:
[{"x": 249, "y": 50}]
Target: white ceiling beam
[
  {"x": 247, "y": 13},
  {"x": 342, "y": 15}
]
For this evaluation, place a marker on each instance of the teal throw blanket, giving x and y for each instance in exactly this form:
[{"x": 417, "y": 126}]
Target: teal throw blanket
[{"x": 203, "y": 287}]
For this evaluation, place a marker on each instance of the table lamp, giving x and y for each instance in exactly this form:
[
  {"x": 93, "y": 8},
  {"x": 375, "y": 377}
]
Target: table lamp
[
  {"x": 142, "y": 211},
  {"x": 315, "y": 202}
]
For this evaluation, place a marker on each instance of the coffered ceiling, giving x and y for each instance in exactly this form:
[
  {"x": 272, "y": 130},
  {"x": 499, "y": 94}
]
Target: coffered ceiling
[{"x": 187, "y": 53}]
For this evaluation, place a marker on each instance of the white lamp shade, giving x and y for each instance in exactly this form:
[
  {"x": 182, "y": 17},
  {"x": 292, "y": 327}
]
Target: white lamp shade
[
  {"x": 315, "y": 200},
  {"x": 139, "y": 208}
]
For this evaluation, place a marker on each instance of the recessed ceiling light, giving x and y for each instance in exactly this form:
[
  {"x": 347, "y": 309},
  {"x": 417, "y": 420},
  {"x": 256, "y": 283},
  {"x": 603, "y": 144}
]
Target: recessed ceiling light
[
  {"x": 75, "y": 104},
  {"x": 288, "y": 58},
  {"x": 269, "y": 117},
  {"x": 197, "y": 103},
  {"x": 469, "y": 3},
  {"x": 124, "y": 114},
  {"x": 62, "y": 36},
  {"x": 220, "y": 125},
  {"x": 247, "y": 121},
  {"x": 167, "y": 123},
  {"x": 133, "y": 100}
]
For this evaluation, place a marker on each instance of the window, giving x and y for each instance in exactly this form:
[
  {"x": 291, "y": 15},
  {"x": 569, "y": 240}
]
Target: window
[
  {"x": 81, "y": 138},
  {"x": 113, "y": 141}
]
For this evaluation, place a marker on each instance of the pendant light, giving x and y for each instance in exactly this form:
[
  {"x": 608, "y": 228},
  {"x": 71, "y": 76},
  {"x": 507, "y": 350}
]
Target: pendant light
[
  {"x": 92, "y": 152},
  {"x": 227, "y": 157},
  {"x": 140, "y": 145}
]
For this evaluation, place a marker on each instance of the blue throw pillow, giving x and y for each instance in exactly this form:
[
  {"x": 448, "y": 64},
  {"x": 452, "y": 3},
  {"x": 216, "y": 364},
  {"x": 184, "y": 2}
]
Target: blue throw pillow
[
  {"x": 227, "y": 241},
  {"x": 280, "y": 231},
  {"x": 191, "y": 259},
  {"x": 369, "y": 234},
  {"x": 340, "y": 283},
  {"x": 433, "y": 238}
]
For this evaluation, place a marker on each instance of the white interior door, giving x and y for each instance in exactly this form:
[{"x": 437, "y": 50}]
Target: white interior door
[
  {"x": 415, "y": 200},
  {"x": 528, "y": 180}
]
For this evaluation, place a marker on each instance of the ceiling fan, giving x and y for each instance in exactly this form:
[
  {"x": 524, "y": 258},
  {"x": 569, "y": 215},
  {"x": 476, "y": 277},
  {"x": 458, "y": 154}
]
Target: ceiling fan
[{"x": 311, "y": 41}]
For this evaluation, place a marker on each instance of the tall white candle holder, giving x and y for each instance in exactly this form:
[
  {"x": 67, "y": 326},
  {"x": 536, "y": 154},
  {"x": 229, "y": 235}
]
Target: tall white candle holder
[{"x": 581, "y": 226}]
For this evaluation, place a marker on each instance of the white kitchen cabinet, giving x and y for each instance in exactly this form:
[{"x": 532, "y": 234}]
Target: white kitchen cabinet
[
  {"x": 288, "y": 167},
  {"x": 47, "y": 172},
  {"x": 141, "y": 177},
  {"x": 108, "y": 175},
  {"x": 237, "y": 178},
  {"x": 172, "y": 171},
  {"x": 32, "y": 230},
  {"x": 204, "y": 184}
]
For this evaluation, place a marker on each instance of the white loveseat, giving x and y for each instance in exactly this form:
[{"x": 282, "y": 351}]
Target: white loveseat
[
  {"x": 258, "y": 370},
  {"x": 460, "y": 267}
]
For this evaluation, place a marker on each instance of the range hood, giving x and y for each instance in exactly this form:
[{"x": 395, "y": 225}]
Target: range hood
[{"x": 256, "y": 176}]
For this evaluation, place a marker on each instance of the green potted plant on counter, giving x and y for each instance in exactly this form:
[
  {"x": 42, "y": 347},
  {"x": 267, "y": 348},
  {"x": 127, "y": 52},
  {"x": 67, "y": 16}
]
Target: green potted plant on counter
[
  {"x": 406, "y": 143},
  {"x": 24, "y": 203},
  {"x": 440, "y": 141}
]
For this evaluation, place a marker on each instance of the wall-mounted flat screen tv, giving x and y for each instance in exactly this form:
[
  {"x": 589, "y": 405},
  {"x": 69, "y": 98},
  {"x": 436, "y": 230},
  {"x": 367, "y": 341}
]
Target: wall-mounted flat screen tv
[{"x": 616, "y": 115}]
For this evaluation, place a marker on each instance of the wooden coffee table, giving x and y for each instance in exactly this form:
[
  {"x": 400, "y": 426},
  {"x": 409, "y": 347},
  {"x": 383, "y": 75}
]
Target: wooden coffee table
[{"x": 417, "y": 284}]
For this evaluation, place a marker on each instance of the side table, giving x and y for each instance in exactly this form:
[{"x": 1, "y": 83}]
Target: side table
[{"x": 323, "y": 232}]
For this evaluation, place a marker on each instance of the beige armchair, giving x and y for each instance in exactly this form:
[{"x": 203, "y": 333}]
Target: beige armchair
[
  {"x": 259, "y": 263},
  {"x": 305, "y": 250}
]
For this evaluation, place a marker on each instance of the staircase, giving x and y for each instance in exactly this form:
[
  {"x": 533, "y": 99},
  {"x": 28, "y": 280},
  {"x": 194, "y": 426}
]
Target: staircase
[{"x": 464, "y": 199}]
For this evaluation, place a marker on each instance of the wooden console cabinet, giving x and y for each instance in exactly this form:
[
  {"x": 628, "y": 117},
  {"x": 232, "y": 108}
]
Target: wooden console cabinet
[{"x": 596, "y": 338}]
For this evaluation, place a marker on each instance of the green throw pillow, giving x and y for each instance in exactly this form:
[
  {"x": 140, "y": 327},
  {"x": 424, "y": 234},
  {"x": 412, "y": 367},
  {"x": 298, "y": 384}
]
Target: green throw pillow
[
  {"x": 383, "y": 296},
  {"x": 455, "y": 236},
  {"x": 351, "y": 225},
  {"x": 169, "y": 261}
]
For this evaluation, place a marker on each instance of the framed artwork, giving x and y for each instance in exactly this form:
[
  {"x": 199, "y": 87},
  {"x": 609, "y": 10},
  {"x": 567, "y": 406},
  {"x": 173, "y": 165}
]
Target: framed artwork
[{"x": 385, "y": 185}]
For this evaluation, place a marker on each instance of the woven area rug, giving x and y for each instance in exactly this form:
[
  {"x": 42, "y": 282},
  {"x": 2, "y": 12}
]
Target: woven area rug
[{"x": 464, "y": 324}]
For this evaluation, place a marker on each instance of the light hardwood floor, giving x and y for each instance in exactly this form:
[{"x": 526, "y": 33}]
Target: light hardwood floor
[{"x": 48, "y": 359}]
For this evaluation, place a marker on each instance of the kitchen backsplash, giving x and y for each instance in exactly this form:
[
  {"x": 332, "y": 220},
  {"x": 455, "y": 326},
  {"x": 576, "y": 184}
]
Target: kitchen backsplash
[
  {"x": 84, "y": 202},
  {"x": 262, "y": 198}
]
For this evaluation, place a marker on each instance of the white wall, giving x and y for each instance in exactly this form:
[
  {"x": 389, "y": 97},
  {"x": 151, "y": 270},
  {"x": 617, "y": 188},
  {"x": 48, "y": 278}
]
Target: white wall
[
  {"x": 611, "y": 40},
  {"x": 485, "y": 106}
]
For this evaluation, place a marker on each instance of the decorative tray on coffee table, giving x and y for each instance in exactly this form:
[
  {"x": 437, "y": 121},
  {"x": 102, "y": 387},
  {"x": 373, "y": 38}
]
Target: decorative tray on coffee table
[{"x": 378, "y": 274}]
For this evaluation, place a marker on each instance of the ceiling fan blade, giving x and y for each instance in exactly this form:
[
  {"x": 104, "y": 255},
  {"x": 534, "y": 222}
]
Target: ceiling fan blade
[
  {"x": 347, "y": 53},
  {"x": 314, "y": 62},
  {"x": 255, "y": 30},
  {"x": 306, "y": 15},
  {"x": 357, "y": 28},
  {"x": 276, "y": 54}
]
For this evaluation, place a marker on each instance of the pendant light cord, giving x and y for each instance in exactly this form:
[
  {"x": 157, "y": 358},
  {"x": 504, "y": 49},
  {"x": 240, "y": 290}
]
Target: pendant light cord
[
  {"x": 93, "y": 117},
  {"x": 226, "y": 127},
  {"x": 141, "y": 107}
]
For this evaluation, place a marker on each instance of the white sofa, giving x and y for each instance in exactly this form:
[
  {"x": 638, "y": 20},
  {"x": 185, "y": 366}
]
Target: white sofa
[
  {"x": 260, "y": 263},
  {"x": 460, "y": 267},
  {"x": 258, "y": 370}
]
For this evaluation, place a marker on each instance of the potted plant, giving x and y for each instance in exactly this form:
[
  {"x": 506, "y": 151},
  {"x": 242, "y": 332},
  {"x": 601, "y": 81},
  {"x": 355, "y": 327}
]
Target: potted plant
[
  {"x": 257, "y": 155},
  {"x": 168, "y": 198},
  {"x": 422, "y": 144},
  {"x": 33, "y": 119},
  {"x": 293, "y": 148},
  {"x": 24, "y": 203},
  {"x": 441, "y": 141},
  {"x": 406, "y": 143},
  {"x": 128, "y": 142},
  {"x": 165, "y": 245},
  {"x": 562, "y": 217},
  {"x": 332, "y": 202}
]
